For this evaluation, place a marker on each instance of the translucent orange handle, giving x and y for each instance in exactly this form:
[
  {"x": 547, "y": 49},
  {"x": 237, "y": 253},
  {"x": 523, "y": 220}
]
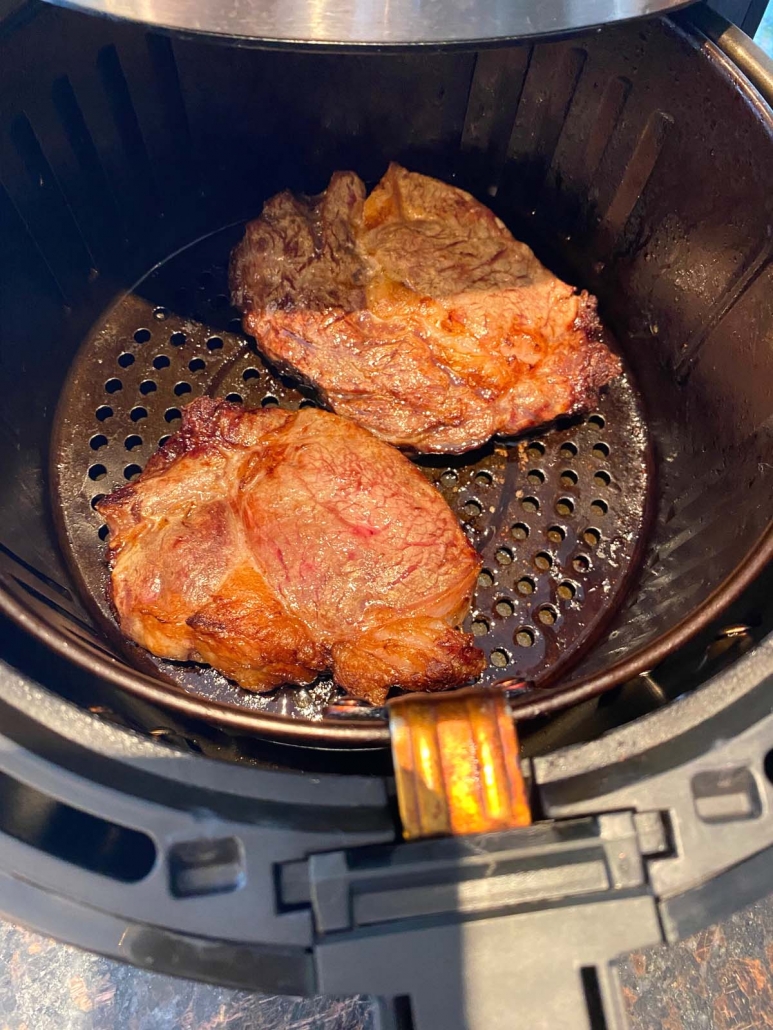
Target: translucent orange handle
[{"x": 456, "y": 763}]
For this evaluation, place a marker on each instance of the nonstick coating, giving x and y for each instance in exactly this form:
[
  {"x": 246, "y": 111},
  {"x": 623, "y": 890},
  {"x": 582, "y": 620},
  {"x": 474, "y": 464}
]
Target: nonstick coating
[{"x": 557, "y": 516}]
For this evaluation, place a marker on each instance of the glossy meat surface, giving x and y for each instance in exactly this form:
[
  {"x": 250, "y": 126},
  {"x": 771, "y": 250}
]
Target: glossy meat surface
[
  {"x": 276, "y": 545},
  {"x": 416, "y": 314}
]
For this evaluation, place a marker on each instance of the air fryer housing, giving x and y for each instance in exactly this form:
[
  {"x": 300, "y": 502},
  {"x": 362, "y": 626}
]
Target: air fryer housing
[{"x": 638, "y": 160}]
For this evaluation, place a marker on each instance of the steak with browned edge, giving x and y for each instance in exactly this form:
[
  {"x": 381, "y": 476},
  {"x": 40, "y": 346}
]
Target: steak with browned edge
[
  {"x": 416, "y": 314},
  {"x": 277, "y": 545}
]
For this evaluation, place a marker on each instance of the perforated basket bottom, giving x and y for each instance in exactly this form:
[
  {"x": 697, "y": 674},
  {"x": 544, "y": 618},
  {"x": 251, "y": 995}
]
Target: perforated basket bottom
[{"x": 557, "y": 517}]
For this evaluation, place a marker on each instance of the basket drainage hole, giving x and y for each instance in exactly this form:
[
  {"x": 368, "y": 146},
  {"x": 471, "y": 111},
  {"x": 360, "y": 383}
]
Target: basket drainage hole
[
  {"x": 177, "y": 339},
  {"x": 142, "y": 336},
  {"x": 504, "y": 556},
  {"x": 484, "y": 478},
  {"x": 234, "y": 326},
  {"x": 520, "y": 531},
  {"x": 161, "y": 361},
  {"x": 103, "y": 413},
  {"x": 172, "y": 414},
  {"x": 568, "y": 478},
  {"x": 214, "y": 343},
  {"x": 147, "y": 386},
  {"x": 113, "y": 386},
  {"x": 449, "y": 477},
  {"x": 525, "y": 586},
  {"x": 485, "y": 578},
  {"x": 197, "y": 365},
  {"x": 96, "y": 499},
  {"x": 250, "y": 373},
  {"x": 103, "y": 532},
  {"x": 566, "y": 591},
  {"x": 547, "y": 615},
  {"x": 567, "y": 450},
  {"x": 97, "y": 472},
  {"x": 602, "y": 478},
  {"x": 524, "y": 637},
  {"x": 308, "y": 403},
  {"x": 598, "y": 507},
  {"x": 581, "y": 563},
  {"x": 219, "y": 302},
  {"x": 556, "y": 535},
  {"x": 164, "y": 439},
  {"x": 600, "y": 450},
  {"x": 591, "y": 537},
  {"x": 472, "y": 509},
  {"x": 98, "y": 442},
  {"x": 530, "y": 504},
  {"x": 536, "y": 477},
  {"x": 479, "y": 627},
  {"x": 234, "y": 398},
  {"x": 500, "y": 658},
  {"x": 543, "y": 561},
  {"x": 535, "y": 451},
  {"x": 132, "y": 442},
  {"x": 269, "y": 402},
  {"x": 182, "y": 388},
  {"x": 597, "y": 420},
  {"x": 504, "y": 608},
  {"x": 132, "y": 471},
  {"x": 564, "y": 506},
  {"x": 136, "y": 414},
  {"x": 126, "y": 359}
]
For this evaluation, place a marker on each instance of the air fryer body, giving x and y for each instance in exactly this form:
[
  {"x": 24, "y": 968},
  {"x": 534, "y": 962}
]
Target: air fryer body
[{"x": 637, "y": 161}]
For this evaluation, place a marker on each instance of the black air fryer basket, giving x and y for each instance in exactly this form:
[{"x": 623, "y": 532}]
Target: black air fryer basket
[{"x": 156, "y": 812}]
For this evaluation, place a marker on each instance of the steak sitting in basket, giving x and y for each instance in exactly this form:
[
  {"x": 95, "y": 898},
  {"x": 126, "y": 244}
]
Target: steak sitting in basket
[
  {"x": 416, "y": 314},
  {"x": 277, "y": 545}
]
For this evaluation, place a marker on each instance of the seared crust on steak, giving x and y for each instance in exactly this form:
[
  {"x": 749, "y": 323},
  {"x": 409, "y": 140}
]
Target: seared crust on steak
[
  {"x": 275, "y": 545},
  {"x": 416, "y": 313}
]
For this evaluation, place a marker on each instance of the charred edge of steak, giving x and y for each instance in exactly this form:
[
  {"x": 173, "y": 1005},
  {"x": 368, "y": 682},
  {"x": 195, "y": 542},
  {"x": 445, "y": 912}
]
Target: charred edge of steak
[
  {"x": 202, "y": 421},
  {"x": 587, "y": 320}
]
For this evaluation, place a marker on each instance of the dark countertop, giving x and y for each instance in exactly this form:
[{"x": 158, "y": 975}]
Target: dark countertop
[{"x": 721, "y": 979}]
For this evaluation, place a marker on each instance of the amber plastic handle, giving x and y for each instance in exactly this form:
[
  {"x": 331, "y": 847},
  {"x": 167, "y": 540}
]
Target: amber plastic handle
[{"x": 456, "y": 763}]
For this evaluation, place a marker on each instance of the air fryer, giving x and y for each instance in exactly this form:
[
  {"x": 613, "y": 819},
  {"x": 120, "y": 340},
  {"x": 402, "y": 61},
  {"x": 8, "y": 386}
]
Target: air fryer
[{"x": 157, "y": 812}]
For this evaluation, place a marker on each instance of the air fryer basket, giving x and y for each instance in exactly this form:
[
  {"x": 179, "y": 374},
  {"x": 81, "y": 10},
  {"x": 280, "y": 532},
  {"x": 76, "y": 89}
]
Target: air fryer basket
[{"x": 636, "y": 161}]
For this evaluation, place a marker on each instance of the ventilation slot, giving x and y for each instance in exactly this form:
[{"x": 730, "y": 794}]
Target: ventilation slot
[
  {"x": 47, "y": 214},
  {"x": 96, "y": 206},
  {"x": 609, "y": 111},
  {"x": 66, "y": 833},
  {"x": 554, "y": 74},
  {"x": 635, "y": 177},
  {"x": 592, "y": 991},
  {"x": 491, "y": 110},
  {"x": 50, "y": 583},
  {"x": 129, "y": 132},
  {"x": 175, "y": 126},
  {"x": 51, "y": 605}
]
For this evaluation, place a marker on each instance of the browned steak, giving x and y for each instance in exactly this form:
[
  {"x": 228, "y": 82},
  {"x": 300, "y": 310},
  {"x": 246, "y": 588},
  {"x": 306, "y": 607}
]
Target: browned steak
[
  {"x": 275, "y": 545},
  {"x": 416, "y": 313}
]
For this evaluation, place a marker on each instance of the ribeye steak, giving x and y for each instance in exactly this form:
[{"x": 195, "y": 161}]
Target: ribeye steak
[
  {"x": 276, "y": 545},
  {"x": 416, "y": 313}
]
